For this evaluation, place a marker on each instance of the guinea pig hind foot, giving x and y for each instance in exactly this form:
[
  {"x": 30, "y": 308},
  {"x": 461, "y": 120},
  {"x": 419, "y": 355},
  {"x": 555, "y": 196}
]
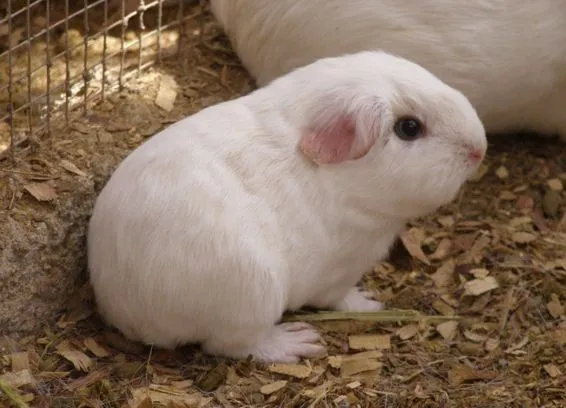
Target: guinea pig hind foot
[{"x": 282, "y": 343}]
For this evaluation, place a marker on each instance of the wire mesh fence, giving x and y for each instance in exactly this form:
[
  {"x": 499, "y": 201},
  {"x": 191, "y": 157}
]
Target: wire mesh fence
[{"x": 58, "y": 57}]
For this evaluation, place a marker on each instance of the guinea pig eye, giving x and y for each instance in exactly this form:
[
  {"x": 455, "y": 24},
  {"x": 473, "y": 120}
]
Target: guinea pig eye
[{"x": 408, "y": 128}]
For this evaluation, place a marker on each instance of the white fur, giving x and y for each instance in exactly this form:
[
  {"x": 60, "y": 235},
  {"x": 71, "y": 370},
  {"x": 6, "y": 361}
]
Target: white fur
[
  {"x": 507, "y": 56},
  {"x": 215, "y": 226}
]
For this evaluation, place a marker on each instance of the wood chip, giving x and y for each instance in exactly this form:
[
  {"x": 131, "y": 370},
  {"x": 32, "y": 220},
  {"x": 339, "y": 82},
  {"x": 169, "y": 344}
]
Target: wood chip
[
  {"x": 369, "y": 342},
  {"x": 560, "y": 336},
  {"x": 232, "y": 377},
  {"x": 477, "y": 250},
  {"x": 449, "y": 300},
  {"x": 354, "y": 385},
  {"x": 412, "y": 240},
  {"x": 507, "y": 196},
  {"x": 356, "y": 366},
  {"x": 80, "y": 360},
  {"x": 523, "y": 237},
  {"x": 491, "y": 344},
  {"x": 407, "y": 332},
  {"x": 502, "y": 172},
  {"x": 4, "y": 30},
  {"x": 104, "y": 136},
  {"x": 444, "y": 275},
  {"x": 316, "y": 392},
  {"x": 167, "y": 93},
  {"x": 479, "y": 273},
  {"x": 18, "y": 379},
  {"x": 462, "y": 373},
  {"x": 555, "y": 184},
  {"x": 480, "y": 303},
  {"x": 478, "y": 287},
  {"x": 443, "y": 308},
  {"x": 475, "y": 337},
  {"x": 552, "y": 370},
  {"x": 140, "y": 401},
  {"x": 214, "y": 378},
  {"x": 41, "y": 191},
  {"x": 448, "y": 330},
  {"x": 508, "y": 303},
  {"x": 95, "y": 348},
  {"x": 291, "y": 370},
  {"x": 518, "y": 221},
  {"x": 419, "y": 391},
  {"x": 71, "y": 168},
  {"x": 442, "y": 250},
  {"x": 182, "y": 385},
  {"x": 524, "y": 341},
  {"x": 352, "y": 400},
  {"x": 273, "y": 387},
  {"x": 560, "y": 263},
  {"x": 20, "y": 361},
  {"x": 335, "y": 361},
  {"x": 85, "y": 382},
  {"x": 411, "y": 376},
  {"x": 364, "y": 355},
  {"x": 480, "y": 172},
  {"x": 465, "y": 241},
  {"x": 520, "y": 189},
  {"x": 555, "y": 308},
  {"x": 551, "y": 202},
  {"x": 446, "y": 222},
  {"x": 168, "y": 397}
]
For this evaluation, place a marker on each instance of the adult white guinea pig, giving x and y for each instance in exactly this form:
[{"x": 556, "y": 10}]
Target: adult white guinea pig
[
  {"x": 283, "y": 198},
  {"x": 507, "y": 56}
]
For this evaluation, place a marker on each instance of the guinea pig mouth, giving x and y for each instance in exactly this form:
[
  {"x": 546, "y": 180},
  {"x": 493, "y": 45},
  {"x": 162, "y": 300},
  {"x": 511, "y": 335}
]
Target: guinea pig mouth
[
  {"x": 476, "y": 155},
  {"x": 473, "y": 155}
]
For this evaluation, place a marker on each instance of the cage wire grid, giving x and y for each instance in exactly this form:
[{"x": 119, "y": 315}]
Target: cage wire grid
[{"x": 47, "y": 37}]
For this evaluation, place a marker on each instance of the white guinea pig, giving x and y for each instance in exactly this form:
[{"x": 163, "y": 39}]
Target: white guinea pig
[
  {"x": 280, "y": 199},
  {"x": 507, "y": 56}
]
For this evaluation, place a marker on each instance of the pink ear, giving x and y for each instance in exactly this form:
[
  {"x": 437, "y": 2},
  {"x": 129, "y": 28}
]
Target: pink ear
[{"x": 334, "y": 142}]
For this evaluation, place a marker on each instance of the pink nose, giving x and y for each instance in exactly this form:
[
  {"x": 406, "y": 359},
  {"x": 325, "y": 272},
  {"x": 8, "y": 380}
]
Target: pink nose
[{"x": 476, "y": 155}]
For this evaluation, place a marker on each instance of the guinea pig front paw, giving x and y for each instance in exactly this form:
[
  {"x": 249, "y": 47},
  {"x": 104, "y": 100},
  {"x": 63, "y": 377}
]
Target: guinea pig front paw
[{"x": 357, "y": 300}]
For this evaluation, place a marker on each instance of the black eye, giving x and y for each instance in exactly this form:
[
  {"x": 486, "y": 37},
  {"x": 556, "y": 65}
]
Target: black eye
[{"x": 408, "y": 128}]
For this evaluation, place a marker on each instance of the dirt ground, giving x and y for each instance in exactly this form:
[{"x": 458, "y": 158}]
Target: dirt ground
[
  {"x": 45, "y": 199},
  {"x": 485, "y": 278}
]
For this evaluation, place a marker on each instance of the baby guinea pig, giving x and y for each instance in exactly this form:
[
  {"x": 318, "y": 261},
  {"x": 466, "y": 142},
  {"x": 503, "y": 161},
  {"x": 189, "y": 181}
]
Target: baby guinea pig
[{"x": 283, "y": 198}]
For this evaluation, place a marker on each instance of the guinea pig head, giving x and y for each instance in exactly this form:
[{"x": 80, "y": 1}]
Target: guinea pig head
[{"x": 395, "y": 137}]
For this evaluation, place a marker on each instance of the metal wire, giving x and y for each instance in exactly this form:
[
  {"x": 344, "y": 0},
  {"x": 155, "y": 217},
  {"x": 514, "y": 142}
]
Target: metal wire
[
  {"x": 40, "y": 90},
  {"x": 10, "y": 109},
  {"x": 48, "y": 63},
  {"x": 85, "y": 57},
  {"x": 29, "y": 71},
  {"x": 67, "y": 70}
]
